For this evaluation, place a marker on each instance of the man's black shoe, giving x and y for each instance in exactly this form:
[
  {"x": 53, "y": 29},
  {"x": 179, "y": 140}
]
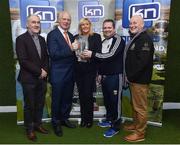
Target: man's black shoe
[
  {"x": 68, "y": 124},
  {"x": 89, "y": 125},
  {"x": 58, "y": 130},
  {"x": 83, "y": 124}
]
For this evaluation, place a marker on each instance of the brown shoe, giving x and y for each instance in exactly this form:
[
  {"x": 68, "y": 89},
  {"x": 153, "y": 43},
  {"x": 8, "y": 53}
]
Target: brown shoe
[
  {"x": 31, "y": 136},
  {"x": 134, "y": 137},
  {"x": 41, "y": 130},
  {"x": 131, "y": 127}
]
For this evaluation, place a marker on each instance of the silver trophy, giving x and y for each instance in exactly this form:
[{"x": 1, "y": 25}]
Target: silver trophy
[{"x": 80, "y": 44}]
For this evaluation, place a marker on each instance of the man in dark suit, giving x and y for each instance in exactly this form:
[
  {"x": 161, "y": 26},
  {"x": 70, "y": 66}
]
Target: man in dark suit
[
  {"x": 32, "y": 55},
  {"x": 62, "y": 60}
]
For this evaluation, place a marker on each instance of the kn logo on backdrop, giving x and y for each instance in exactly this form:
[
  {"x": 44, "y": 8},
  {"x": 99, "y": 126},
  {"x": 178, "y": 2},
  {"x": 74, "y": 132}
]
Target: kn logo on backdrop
[
  {"x": 93, "y": 11},
  {"x": 150, "y": 11},
  {"x": 41, "y": 8},
  {"x": 46, "y": 13},
  {"x": 90, "y": 9}
]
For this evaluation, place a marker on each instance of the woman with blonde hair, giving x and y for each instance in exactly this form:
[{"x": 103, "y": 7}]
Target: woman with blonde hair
[{"x": 86, "y": 69}]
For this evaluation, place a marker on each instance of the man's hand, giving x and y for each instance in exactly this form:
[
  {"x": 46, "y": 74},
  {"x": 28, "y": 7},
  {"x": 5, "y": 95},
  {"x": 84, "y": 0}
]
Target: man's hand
[
  {"x": 75, "y": 45},
  {"x": 87, "y": 54},
  {"x": 43, "y": 74},
  {"x": 82, "y": 57}
]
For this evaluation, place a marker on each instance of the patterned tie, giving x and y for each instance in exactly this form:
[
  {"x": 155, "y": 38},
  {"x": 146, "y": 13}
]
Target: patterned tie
[{"x": 66, "y": 38}]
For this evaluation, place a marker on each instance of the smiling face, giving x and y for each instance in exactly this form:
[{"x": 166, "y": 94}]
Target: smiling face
[
  {"x": 108, "y": 29},
  {"x": 64, "y": 20},
  {"x": 136, "y": 24},
  {"x": 33, "y": 24},
  {"x": 85, "y": 27}
]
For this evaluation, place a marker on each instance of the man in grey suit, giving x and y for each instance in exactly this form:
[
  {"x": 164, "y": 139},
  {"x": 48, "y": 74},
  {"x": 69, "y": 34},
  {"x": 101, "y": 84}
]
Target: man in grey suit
[{"x": 62, "y": 60}]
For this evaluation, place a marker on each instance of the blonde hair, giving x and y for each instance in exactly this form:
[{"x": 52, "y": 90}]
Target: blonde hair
[{"x": 81, "y": 22}]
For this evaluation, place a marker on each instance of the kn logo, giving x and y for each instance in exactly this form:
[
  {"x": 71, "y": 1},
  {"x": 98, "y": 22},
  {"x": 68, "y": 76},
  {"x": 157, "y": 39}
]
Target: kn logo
[
  {"x": 41, "y": 8},
  {"x": 96, "y": 11},
  {"x": 90, "y": 9},
  {"x": 47, "y": 14},
  {"x": 150, "y": 11}
]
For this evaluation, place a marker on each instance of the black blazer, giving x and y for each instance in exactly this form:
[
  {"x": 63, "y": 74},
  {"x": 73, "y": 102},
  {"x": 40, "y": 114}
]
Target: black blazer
[
  {"x": 90, "y": 66},
  {"x": 29, "y": 60}
]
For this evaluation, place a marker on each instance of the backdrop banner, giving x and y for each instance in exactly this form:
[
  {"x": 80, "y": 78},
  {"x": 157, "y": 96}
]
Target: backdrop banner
[
  {"x": 96, "y": 10},
  {"x": 155, "y": 14}
]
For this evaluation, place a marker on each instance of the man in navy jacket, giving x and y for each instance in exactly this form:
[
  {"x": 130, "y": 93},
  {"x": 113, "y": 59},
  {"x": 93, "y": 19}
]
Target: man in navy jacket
[{"x": 62, "y": 60}]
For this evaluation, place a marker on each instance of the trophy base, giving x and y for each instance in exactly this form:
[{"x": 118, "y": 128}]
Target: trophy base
[{"x": 81, "y": 60}]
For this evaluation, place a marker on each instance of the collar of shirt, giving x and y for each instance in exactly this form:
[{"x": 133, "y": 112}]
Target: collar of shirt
[
  {"x": 106, "y": 45},
  {"x": 33, "y": 34},
  {"x": 61, "y": 30}
]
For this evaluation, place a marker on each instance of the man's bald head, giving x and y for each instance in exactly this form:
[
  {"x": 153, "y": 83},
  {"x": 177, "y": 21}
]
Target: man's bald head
[{"x": 136, "y": 24}]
